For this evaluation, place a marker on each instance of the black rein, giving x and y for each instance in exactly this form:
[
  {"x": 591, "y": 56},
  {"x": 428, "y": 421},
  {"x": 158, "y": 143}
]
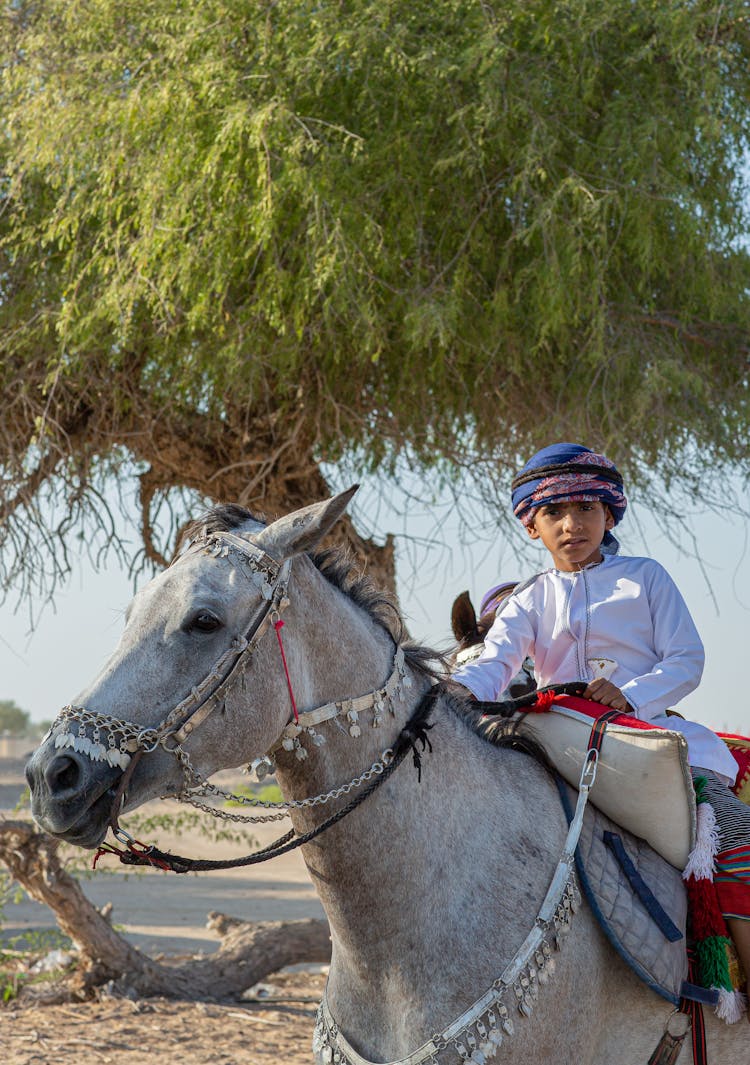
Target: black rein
[{"x": 414, "y": 732}]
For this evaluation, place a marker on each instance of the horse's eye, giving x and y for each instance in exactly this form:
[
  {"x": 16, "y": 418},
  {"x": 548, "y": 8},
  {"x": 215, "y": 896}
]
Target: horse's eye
[{"x": 204, "y": 621}]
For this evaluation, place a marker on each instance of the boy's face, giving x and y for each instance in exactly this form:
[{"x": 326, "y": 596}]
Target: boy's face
[{"x": 572, "y": 532}]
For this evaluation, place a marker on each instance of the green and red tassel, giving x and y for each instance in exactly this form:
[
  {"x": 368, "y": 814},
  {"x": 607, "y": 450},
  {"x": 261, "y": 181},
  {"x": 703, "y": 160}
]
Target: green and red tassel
[{"x": 713, "y": 945}]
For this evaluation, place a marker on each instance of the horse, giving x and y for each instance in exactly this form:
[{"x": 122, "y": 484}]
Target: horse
[
  {"x": 470, "y": 631},
  {"x": 438, "y": 874}
]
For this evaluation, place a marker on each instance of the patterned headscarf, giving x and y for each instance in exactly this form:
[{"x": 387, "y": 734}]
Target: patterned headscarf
[{"x": 571, "y": 472}]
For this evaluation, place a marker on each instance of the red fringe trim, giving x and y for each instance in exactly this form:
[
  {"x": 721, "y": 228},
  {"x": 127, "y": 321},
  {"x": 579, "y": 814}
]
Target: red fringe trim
[
  {"x": 705, "y": 915},
  {"x": 544, "y": 701}
]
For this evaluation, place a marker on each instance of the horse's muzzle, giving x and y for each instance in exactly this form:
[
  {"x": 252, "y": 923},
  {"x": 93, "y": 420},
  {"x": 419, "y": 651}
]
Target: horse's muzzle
[{"x": 71, "y": 796}]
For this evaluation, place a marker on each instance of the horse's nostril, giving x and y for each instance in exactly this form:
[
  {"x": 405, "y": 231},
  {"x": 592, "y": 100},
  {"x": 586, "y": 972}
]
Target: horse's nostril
[{"x": 62, "y": 775}]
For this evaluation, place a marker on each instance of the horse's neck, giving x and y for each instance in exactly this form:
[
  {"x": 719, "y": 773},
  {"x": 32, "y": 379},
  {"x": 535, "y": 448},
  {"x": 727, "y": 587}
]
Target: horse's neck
[
  {"x": 413, "y": 879},
  {"x": 334, "y": 648},
  {"x": 425, "y": 885}
]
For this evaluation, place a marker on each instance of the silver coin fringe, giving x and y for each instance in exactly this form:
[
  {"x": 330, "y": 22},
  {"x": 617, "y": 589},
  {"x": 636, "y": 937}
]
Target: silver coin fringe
[
  {"x": 382, "y": 701},
  {"x": 111, "y": 740},
  {"x": 478, "y": 1040}
]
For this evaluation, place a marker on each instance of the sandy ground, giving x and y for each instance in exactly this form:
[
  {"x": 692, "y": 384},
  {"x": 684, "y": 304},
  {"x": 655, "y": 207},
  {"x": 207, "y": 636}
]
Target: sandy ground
[
  {"x": 275, "y": 1032},
  {"x": 164, "y": 914}
]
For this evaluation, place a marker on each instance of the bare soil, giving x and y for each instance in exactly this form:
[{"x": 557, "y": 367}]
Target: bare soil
[{"x": 276, "y": 1031}]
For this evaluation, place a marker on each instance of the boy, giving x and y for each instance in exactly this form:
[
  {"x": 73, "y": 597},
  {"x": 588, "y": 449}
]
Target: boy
[{"x": 618, "y": 623}]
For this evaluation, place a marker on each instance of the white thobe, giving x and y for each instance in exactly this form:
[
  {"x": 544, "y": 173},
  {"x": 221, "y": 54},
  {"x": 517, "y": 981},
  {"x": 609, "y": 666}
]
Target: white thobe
[{"x": 624, "y": 611}]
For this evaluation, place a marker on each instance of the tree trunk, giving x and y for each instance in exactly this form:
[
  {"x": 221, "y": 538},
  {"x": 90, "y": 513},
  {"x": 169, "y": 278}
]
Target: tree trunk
[
  {"x": 248, "y": 952},
  {"x": 269, "y": 465},
  {"x": 260, "y": 466}
]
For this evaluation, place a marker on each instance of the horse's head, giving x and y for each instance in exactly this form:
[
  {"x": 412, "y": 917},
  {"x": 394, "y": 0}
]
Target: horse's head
[
  {"x": 468, "y": 630},
  {"x": 191, "y": 637}
]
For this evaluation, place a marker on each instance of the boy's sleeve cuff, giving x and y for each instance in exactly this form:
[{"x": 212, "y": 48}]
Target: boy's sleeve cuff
[{"x": 631, "y": 701}]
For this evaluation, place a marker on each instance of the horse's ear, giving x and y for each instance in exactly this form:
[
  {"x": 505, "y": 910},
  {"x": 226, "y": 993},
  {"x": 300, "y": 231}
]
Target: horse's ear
[
  {"x": 303, "y": 529},
  {"x": 463, "y": 617}
]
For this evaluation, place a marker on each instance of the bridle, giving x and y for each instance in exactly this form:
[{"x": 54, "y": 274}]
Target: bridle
[
  {"x": 126, "y": 738},
  {"x": 120, "y": 743}
]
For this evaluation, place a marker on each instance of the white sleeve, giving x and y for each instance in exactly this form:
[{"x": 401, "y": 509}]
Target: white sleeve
[
  {"x": 506, "y": 645},
  {"x": 679, "y": 666}
]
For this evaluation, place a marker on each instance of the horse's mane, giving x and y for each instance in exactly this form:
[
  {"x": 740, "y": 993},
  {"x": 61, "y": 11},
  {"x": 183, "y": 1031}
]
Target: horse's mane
[
  {"x": 496, "y": 730},
  {"x": 339, "y": 569}
]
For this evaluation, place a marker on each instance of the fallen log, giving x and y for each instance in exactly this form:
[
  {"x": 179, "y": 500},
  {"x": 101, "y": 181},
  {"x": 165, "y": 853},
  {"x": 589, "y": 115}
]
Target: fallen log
[{"x": 248, "y": 952}]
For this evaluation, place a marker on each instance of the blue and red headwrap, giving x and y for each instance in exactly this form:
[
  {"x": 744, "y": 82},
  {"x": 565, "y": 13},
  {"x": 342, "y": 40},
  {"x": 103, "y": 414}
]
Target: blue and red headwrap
[{"x": 568, "y": 472}]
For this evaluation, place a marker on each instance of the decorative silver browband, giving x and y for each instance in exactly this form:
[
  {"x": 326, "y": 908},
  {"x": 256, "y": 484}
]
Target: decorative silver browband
[
  {"x": 381, "y": 701},
  {"x": 476, "y": 1035}
]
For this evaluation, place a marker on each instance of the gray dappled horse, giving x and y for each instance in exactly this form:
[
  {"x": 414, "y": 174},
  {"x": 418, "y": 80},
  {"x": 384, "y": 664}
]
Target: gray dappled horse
[{"x": 430, "y": 887}]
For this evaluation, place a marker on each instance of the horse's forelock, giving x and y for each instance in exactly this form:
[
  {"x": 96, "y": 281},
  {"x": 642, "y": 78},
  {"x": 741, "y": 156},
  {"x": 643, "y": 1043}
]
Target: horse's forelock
[{"x": 224, "y": 517}]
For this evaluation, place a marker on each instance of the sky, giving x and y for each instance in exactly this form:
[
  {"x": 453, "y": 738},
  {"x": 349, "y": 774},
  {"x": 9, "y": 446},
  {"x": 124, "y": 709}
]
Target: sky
[{"x": 43, "y": 669}]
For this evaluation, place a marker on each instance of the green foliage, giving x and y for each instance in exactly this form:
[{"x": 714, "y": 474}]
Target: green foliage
[
  {"x": 13, "y": 719},
  {"x": 267, "y": 793},
  {"x": 461, "y": 227},
  {"x": 10, "y": 891},
  {"x": 18, "y": 953}
]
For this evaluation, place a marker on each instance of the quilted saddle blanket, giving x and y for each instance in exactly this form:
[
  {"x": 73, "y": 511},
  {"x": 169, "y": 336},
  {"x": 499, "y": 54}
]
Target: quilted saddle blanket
[{"x": 638, "y": 898}]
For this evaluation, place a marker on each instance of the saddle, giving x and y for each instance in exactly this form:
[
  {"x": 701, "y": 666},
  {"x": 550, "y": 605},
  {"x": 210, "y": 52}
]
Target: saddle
[
  {"x": 635, "y": 885},
  {"x": 630, "y": 862},
  {"x": 643, "y": 779}
]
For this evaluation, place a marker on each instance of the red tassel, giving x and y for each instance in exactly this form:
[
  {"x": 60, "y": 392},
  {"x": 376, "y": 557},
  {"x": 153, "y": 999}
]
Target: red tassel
[
  {"x": 706, "y": 918},
  {"x": 544, "y": 701}
]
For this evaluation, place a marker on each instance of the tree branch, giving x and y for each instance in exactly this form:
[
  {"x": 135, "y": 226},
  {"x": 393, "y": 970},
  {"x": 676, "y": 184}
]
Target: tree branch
[{"x": 248, "y": 952}]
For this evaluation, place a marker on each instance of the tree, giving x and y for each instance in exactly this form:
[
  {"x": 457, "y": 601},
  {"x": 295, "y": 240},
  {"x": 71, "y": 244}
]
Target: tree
[
  {"x": 239, "y": 240},
  {"x": 13, "y": 719}
]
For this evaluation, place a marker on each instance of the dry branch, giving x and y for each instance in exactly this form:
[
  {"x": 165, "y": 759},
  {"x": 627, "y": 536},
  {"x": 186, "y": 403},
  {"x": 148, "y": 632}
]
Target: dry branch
[{"x": 248, "y": 952}]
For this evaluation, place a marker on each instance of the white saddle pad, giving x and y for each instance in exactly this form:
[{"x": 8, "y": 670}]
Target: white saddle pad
[{"x": 643, "y": 779}]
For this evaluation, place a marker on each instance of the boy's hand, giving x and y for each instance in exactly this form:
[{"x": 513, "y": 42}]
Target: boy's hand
[{"x": 605, "y": 692}]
